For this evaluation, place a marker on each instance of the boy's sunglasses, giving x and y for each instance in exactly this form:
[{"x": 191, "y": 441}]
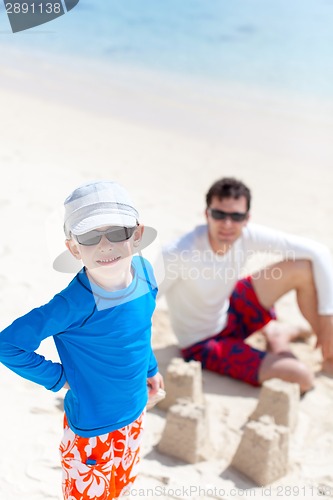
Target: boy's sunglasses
[
  {"x": 234, "y": 216},
  {"x": 113, "y": 234}
]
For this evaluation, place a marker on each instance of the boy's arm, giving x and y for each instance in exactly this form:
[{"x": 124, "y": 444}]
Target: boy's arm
[
  {"x": 19, "y": 341},
  {"x": 153, "y": 366}
]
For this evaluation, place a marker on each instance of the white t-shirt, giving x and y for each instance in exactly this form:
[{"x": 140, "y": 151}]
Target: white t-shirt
[{"x": 198, "y": 282}]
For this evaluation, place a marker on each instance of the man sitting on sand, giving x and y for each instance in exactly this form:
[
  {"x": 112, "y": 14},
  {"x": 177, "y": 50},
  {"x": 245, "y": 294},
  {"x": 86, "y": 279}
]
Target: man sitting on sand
[{"x": 213, "y": 311}]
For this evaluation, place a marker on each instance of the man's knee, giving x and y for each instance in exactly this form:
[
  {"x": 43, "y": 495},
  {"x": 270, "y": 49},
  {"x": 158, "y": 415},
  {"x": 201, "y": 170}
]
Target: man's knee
[
  {"x": 287, "y": 368},
  {"x": 276, "y": 280},
  {"x": 304, "y": 377},
  {"x": 301, "y": 270}
]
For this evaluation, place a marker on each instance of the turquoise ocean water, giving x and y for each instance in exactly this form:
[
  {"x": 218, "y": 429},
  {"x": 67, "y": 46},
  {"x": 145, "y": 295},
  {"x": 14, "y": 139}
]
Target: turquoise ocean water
[{"x": 280, "y": 44}]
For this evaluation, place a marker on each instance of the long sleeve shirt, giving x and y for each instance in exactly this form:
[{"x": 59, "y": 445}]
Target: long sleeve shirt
[
  {"x": 198, "y": 282},
  {"x": 104, "y": 344}
]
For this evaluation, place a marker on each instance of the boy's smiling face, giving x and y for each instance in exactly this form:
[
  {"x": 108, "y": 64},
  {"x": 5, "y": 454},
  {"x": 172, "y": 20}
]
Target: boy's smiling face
[{"x": 107, "y": 263}]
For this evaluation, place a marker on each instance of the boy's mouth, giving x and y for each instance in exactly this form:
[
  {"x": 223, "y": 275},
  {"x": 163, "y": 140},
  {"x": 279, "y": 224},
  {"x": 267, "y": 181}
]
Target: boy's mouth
[{"x": 105, "y": 262}]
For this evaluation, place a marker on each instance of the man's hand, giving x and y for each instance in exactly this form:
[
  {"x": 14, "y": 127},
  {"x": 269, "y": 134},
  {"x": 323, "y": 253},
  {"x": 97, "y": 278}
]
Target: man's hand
[
  {"x": 325, "y": 337},
  {"x": 155, "y": 383}
]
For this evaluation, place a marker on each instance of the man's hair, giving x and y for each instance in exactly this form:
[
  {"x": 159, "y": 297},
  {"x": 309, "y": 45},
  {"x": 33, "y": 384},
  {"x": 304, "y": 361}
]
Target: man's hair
[{"x": 228, "y": 187}]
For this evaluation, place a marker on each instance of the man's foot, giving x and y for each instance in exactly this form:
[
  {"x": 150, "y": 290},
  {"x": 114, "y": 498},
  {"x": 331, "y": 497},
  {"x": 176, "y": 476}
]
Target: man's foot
[{"x": 279, "y": 335}]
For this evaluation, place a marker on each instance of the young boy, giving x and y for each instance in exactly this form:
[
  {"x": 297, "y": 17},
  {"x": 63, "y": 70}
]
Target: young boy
[{"x": 101, "y": 326}]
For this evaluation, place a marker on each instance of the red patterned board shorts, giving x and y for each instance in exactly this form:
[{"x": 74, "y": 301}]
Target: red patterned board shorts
[
  {"x": 102, "y": 467},
  {"x": 227, "y": 353}
]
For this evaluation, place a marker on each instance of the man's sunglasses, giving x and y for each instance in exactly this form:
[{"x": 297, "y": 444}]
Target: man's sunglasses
[
  {"x": 234, "y": 216},
  {"x": 113, "y": 234}
]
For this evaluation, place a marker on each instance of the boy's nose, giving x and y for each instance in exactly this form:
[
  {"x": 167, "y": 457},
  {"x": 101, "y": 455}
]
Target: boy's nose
[{"x": 105, "y": 242}]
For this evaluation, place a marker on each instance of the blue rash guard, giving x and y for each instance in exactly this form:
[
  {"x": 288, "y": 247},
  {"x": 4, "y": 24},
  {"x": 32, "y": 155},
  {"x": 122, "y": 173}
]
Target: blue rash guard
[{"x": 104, "y": 344}]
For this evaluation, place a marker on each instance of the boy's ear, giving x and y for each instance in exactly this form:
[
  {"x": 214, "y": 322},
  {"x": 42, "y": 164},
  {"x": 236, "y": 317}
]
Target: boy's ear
[
  {"x": 74, "y": 249},
  {"x": 138, "y": 235}
]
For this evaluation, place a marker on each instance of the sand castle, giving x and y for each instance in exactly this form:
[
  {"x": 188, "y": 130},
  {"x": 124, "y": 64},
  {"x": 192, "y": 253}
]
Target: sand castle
[
  {"x": 183, "y": 381},
  {"x": 263, "y": 451},
  {"x": 280, "y": 400},
  {"x": 185, "y": 434}
]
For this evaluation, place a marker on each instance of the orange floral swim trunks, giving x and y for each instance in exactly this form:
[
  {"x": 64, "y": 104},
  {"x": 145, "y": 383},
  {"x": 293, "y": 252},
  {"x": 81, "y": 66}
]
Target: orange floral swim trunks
[{"x": 102, "y": 467}]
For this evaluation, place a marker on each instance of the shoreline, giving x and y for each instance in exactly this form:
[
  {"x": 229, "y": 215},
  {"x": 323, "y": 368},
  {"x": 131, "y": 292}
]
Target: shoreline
[
  {"x": 236, "y": 129},
  {"x": 70, "y": 70},
  {"x": 235, "y": 118}
]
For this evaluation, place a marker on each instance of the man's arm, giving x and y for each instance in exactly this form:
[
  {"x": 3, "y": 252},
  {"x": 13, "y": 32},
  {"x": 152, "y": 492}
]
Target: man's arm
[
  {"x": 325, "y": 338},
  {"x": 291, "y": 247}
]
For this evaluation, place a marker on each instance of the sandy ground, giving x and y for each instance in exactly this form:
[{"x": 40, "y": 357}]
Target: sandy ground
[{"x": 167, "y": 141}]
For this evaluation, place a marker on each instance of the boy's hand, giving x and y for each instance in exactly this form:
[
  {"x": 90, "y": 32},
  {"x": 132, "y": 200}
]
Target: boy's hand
[
  {"x": 155, "y": 390},
  {"x": 155, "y": 383}
]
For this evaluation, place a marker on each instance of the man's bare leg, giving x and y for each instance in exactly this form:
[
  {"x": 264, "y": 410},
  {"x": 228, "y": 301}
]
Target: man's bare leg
[
  {"x": 286, "y": 366},
  {"x": 270, "y": 284},
  {"x": 278, "y": 279}
]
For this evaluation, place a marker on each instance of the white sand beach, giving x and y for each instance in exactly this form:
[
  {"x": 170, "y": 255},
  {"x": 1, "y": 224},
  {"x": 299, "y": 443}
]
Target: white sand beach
[{"x": 166, "y": 141}]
